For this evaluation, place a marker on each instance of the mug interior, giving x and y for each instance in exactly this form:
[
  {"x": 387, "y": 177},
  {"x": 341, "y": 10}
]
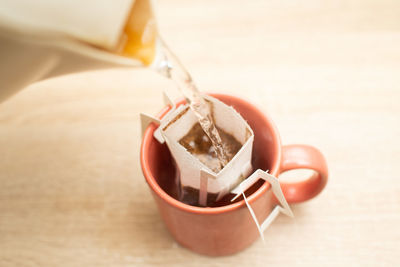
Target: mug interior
[{"x": 159, "y": 168}]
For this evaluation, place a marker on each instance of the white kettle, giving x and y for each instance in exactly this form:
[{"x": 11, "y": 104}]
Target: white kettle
[{"x": 45, "y": 38}]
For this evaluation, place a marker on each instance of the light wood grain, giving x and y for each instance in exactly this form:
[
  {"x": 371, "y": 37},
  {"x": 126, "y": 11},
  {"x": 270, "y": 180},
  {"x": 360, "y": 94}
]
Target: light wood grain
[{"x": 328, "y": 72}]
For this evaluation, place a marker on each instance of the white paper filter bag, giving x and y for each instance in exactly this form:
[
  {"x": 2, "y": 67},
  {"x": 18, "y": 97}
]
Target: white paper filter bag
[{"x": 194, "y": 173}]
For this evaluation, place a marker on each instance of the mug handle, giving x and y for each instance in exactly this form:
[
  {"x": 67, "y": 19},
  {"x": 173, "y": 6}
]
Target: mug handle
[{"x": 303, "y": 157}]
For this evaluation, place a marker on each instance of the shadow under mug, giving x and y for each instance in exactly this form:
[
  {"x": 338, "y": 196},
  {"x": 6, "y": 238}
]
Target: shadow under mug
[{"x": 229, "y": 227}]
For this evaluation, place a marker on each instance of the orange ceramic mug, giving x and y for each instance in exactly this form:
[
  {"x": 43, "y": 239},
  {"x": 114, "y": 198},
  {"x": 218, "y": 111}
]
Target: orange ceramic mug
[{"x": 230, "y": 228}]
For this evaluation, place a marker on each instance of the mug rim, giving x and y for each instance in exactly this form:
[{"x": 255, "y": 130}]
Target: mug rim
[{"x": 155, "y": 187}]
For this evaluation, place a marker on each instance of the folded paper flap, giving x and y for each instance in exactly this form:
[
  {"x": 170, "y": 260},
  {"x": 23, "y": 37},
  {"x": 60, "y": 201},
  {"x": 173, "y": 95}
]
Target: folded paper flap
[
  {"x": 275, "y": 185},
  {"x": 145, "y": 120},
  {"x": 247, "y": 183},
  {"x": 276, "y": 189},
  {"x": 168, "y": 101},
  {"x": 178, "y": 123},
  {"x": 253, "y": 215}
]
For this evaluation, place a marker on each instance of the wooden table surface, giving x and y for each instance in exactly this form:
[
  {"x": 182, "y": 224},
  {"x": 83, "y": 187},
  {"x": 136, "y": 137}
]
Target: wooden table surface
[{"x": 328, "y": 72}]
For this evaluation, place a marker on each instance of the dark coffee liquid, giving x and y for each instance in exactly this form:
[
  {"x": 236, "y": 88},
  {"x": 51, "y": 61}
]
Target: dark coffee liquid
[
  {"x": 198, "y": 144},
  {"x": 190, "y": 196}
]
